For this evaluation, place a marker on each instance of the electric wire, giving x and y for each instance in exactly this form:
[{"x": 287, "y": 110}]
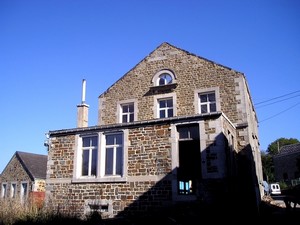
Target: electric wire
[
  {"x": 279, "y": 113},
  {"x": 272, "y": 99},
  {"x": 260, "y": 106}
]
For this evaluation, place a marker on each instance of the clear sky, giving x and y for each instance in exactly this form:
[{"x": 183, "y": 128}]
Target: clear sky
[{"x": 48, "y": 46}]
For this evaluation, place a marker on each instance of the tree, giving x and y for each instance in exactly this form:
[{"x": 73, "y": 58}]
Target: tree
[
  {"x": 275, "y": 146},
  {"x": 267, "y": 167}
]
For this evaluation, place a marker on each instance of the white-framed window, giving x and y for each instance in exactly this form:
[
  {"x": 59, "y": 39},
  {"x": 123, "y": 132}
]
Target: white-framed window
[
  {"x": 165, "y": 105},
  {"x": 114, "y": 154},
  {"x": 89, "y": 155},
  {"x": 163, "y": 77},
  {"x": 127, "y": 111},
  {"x": 3, "y": 190},
  {"x": 24, "y": 191},
  {"x": 101, "y": 157},
  {"x": 207, "y": 100},
  {"x": 13, "y": 190}
]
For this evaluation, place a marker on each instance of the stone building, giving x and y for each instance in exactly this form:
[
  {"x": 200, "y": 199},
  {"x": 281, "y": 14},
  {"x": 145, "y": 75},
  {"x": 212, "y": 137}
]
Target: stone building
[
  {"x": 24, "y": 176},
  {"x": 287, "y": 163},
  {"x": 176, "y": 128}
]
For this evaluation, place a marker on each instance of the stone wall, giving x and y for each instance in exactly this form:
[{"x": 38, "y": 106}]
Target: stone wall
[
  {"x": 15, "y": 173},
  {"x": 191, "y": 73},
  {"x": 286, "y": 164},
  {"x": 150, "y": 171},
  {"x": 149, "y": 163}
]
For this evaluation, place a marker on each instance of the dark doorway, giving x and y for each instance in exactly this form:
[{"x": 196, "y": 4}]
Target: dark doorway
[{"x": 189, "y": 171}]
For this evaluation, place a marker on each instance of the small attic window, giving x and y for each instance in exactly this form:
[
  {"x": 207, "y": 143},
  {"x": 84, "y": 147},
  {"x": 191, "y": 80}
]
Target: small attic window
[{"x": 163, "y": 77}]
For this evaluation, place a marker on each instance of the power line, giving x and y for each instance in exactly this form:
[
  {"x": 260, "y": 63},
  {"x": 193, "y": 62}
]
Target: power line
[
  {"x": 279, "y": 113},
  {"x": 277, "y": 97},
  {"x": 276, "y": 101}
]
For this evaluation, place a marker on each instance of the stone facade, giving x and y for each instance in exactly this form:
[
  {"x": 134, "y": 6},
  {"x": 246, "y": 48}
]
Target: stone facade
[
  {"x": 19, "y": 180},
  {"x": 15, "y": 173},
  {"x": 287, "y": 163},
  {"x": 189, "y": 156}
]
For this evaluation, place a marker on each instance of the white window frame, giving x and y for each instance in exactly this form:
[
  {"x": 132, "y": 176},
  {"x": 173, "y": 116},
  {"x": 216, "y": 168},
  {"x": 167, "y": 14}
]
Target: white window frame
[
  {"x": 4, "y": 190},
  {"x": 90, "y": 149},
  {"x": 100, "y": 175},
  {"x": 114, "y": 148},
  {"x": 13, "y": 190},
  {"x": 198, "y": 104},
  {"x": 24, "y": 194},
  {"x": 156, "y": 107},
  {"x": 157, "y": 76},
  {"x": 120, "y": 110}
]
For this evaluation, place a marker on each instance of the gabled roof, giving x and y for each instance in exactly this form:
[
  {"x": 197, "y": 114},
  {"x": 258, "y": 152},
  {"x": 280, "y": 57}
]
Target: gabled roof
[
  {"x": 164, "y": 45},
  {"x": 34, "y": 164},
  {"x": 289, "y": 149}
]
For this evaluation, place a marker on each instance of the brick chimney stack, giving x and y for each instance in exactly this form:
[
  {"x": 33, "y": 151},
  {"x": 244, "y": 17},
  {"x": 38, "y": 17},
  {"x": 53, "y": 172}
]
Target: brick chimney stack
[{"x": 82, "y": 109}]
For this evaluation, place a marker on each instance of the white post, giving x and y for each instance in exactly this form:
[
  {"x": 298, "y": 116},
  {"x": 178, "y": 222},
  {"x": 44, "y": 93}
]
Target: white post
[{"x": 83, "y": 91}]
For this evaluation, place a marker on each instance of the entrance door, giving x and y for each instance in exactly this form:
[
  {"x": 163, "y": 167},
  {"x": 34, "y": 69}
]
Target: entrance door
[{"x": 189, "y": 170}]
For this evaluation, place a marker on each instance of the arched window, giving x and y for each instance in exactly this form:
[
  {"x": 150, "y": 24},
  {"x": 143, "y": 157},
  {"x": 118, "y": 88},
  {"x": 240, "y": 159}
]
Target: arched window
[{"x": 163, "y": 77}]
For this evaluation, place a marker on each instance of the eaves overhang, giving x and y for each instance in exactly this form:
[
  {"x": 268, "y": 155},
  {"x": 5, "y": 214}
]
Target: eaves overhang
[{"x": 177, "y": 119}]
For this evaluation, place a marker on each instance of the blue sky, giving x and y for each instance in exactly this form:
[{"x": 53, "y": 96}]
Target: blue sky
[{"x": 48, "y": 47}]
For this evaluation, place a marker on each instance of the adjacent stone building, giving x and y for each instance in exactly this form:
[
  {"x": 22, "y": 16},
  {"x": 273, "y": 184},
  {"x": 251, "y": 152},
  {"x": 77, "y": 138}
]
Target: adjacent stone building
[
  {"x": 176, "y": 128},
  {"x": 287, "y": 163},
  {"x": 24, "y": 176}
]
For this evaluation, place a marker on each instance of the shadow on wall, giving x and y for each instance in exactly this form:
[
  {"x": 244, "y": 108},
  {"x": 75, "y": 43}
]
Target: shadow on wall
[{"x": 237, "y": 194}]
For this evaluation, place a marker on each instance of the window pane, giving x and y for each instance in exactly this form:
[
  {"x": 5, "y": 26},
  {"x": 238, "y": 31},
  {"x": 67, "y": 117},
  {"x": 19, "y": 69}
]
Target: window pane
[
  {"x": 125, "y": 108},
  {"x": 213, "y": 107},
  {"x": 13, "y": 190},
  {"x": 89, "y": 141},
  {"x": 170, "y": 103},
  {"x": 162, "y": 114},
  {"x": 124, "y": 118},
  {"x": 3, "y": 194},
  {"x": 85, "y": 163},
  {"x": 168, "y": 79},
  {"x": 109, "y": 139},
  {"x": 170, "y": 112},
  {"x": 131, "y": 118},
  {"x": 131, "y": 108},
  {"x": 212, "y": 97},
  {"x": 203, "y": 98},
  {"x": 165, "y": 79},
  {"x": 194, "y": 132},
  {"x": 119, "y": 139},
  {"x": 24, "y": 188},
  {"x": 94, "y": 141},
  {"x": 183, "y": 132},
  {"x": 119, "y": 161},
  {"x": 94, "y": 162},
  {"x": 161, "y": 81},
  {"x": 203, "y": 108},
  {"x": 109, "y": 161},
  {"x": 86, "y": 141},
  {"x": 162, "y": 104}
]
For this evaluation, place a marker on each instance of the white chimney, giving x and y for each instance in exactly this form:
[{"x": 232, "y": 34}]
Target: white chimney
[
  {"x": 82, "y": 109},
  {"x": 83, "y": 91}
]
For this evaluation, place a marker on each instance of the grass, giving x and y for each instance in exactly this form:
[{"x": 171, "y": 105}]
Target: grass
[{"x": 13, "y": 212}]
